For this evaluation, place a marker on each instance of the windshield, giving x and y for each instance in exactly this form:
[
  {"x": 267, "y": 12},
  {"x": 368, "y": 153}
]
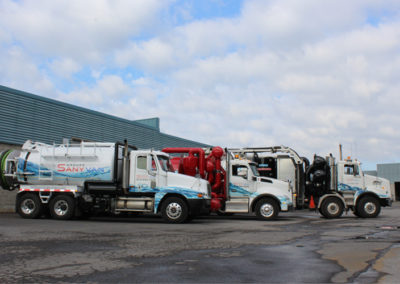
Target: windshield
[
  {"x": 253, "y": 168},
  {"x": 165, "y": 163}
]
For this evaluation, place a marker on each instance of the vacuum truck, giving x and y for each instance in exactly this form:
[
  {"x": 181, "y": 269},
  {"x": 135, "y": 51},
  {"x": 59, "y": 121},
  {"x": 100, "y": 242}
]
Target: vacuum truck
[
  {"x": 328, "y": 185},
  {"x": 92, "y": 177},
  {"x": 236, "y": 186}
]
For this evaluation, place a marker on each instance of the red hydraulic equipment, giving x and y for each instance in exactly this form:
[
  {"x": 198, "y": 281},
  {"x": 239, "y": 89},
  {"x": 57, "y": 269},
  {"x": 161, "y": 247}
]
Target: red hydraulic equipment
[{"x": 193, "y": 161}]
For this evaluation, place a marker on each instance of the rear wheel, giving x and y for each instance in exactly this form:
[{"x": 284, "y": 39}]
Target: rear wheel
[
  {"x": 368, "y": 207},
  {"x": 267, "y": 209},
  {"x": 29, "y": 206},
  {"x": 332, "y": 207},
  {"x": 174, "y": 210},
  {"x": 62, "y": 207}
]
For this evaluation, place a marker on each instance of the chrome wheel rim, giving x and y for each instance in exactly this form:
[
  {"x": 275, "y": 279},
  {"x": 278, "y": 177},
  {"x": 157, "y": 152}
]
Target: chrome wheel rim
[
  {"x": 333, "y": 208},
  {"x": 174, "y": 210},
  {"x": 267, "y": 210},
  {"x": 370, "y": 208},
  {"x": 28, "y": 206},
  {"x": 61, "y": 207}
]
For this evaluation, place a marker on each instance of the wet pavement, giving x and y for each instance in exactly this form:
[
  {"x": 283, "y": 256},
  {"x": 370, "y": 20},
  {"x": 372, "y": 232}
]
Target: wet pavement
[{"x": 299, "y": 247}]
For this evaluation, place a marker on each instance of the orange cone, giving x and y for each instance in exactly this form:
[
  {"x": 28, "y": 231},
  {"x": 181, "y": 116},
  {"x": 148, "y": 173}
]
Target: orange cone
[{"x": 311, "y": 205}]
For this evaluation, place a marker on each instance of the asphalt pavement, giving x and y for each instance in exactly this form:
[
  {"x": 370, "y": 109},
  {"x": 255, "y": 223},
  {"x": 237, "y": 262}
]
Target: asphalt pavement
[{"x": 299, "y": 247}]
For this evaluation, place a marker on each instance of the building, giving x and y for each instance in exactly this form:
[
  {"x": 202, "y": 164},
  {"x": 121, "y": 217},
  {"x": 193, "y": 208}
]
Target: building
[
  {"x": 390, "y": 171},
  {"x": 26, "y": 116}
]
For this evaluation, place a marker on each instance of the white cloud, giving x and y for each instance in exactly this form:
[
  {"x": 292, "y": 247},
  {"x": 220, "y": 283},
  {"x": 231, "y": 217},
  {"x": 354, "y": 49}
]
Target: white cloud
[
  {"x": 308, "y": 74},
  {"x": 105, "y": 90},
  {"x": 21, "y": 72},
  {"x": 82, "y": 30},
  {"x": 64, "y": 67}
]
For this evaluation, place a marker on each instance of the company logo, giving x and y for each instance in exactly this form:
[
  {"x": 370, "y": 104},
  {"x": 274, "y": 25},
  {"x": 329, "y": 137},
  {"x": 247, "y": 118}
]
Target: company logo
[{"x": 78, "y": 168}]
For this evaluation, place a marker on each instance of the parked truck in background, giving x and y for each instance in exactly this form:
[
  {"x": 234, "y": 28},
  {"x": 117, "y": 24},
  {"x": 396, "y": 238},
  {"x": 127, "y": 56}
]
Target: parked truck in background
[
  {"x": 328, "y": 185},
  {"x": 235, "y": 183},
  {"x": 91, "y": 177}
]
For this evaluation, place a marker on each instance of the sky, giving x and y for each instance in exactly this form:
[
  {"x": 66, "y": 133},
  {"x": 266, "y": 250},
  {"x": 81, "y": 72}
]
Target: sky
[{"x": 307, "y": 74}]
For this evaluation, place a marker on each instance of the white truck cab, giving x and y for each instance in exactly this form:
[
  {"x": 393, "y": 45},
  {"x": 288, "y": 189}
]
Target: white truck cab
[
  {"x": 248, "y": 192},
  {"x": 151, "y": 173},
  {"x": 366, "y": 192}
]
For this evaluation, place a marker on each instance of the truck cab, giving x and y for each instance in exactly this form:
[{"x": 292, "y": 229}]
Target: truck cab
[
  {"x": 248, "y": 192},
  {"x": 151, "y": 174},
  {"x": 353, "y": 184}
]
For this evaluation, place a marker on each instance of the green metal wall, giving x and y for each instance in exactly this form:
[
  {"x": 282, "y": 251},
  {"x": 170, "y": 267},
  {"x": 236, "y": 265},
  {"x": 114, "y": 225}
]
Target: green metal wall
[
  {"x": 26, "y": 116},
  {"x": 390, "y": 171}
]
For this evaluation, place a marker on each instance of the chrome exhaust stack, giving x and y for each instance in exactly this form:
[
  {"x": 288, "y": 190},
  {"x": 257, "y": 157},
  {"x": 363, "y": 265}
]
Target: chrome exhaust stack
[{"x": 125, "y": 169}]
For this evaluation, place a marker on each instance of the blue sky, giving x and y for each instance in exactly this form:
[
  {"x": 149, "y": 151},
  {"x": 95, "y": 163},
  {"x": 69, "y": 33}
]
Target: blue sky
[{"x": 307, "y": 74}]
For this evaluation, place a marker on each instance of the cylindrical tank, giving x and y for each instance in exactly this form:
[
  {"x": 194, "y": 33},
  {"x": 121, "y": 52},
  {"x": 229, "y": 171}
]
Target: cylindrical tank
[{"x": 64, "y": 164}]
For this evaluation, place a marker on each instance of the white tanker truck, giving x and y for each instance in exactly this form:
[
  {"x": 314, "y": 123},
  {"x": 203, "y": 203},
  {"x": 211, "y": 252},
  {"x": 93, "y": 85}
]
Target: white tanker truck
[{"x": 90, "y": 177}]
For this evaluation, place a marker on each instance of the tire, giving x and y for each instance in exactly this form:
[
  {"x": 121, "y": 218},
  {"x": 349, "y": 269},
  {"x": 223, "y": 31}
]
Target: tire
[
  {"x": 174, "y": 210},
  {"x": 355, "y": 212},
  {"x": 368, "y": 207},
  {"x": 29, "y": 206},
  {"x": 332, "y": 207},
  {"x": 267, "y": 209},
  {"x": 62, "y": 207}
]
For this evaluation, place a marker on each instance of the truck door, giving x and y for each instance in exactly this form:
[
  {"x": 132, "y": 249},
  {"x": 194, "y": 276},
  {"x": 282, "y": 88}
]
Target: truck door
[
  {"x": 352, "y": 177},
  {"x": 143, "y": 178},
  {"x": 240, "y": 185},
  {"x": 163, "y": 168}
]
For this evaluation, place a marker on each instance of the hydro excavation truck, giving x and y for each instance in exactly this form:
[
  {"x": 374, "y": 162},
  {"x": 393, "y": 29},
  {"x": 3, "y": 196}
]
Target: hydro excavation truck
[
  {"x": 235, "y": 184},
  {"x": 329, "y": 186},
  {"x": 90, "y": 177}
]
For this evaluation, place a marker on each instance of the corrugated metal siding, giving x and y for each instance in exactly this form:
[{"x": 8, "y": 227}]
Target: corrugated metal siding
[
  {"x": 25, "y": 116},
  {"x": 389, "y": 171}
]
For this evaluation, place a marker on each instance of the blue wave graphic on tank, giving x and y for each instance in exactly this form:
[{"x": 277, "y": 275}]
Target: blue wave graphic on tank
[
  {"x": 159, "y": 193},
  {"x": 88, "y": 172}
]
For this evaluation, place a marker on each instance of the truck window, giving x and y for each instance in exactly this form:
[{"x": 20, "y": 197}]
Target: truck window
[
  {"x": 141, "y": 162},
  {"x": 351, "y": 170},
  {"x": 153, "y": 164},
  {"x": 239, "y": 170},
  {"x": 253, "y": 168},
  {"x": 165, "y": 163}
]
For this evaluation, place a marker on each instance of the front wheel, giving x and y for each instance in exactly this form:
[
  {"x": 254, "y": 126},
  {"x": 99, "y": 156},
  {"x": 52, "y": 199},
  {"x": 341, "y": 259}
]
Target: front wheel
[
  {"x": 332, "y": 207},
  {"x": 368, "y": 207},
  {"x": 267, "y": 209},
  {"x": 29, "y": 206},
  {"x": 174, "y": 210},
  {"x": 62, "y": 207}
]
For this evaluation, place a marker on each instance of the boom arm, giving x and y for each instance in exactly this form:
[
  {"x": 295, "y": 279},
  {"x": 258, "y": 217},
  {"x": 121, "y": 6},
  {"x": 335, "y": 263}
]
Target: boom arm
[{"x": 275, "y": 149}]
